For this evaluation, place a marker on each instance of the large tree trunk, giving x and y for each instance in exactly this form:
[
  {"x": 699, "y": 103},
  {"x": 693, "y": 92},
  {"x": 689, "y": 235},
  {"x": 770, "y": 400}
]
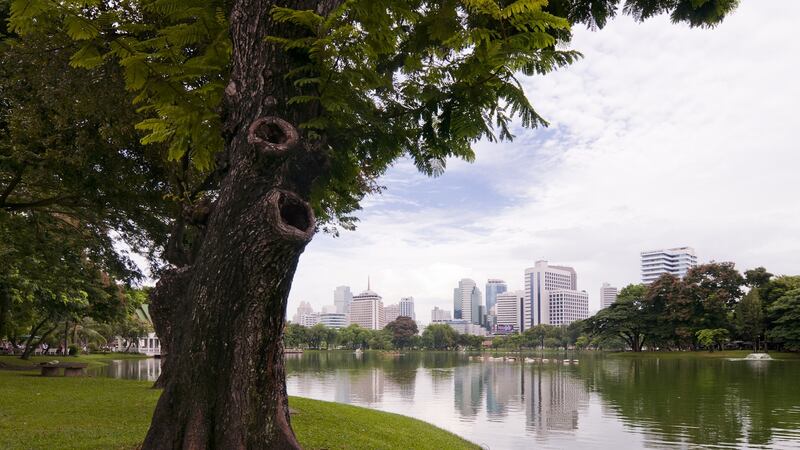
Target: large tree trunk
[{"x": 222, "y": 317}]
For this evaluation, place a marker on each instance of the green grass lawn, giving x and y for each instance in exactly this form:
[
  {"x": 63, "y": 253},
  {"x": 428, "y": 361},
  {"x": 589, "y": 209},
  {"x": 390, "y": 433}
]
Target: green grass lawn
[
  {"x": 94, "y": 360},
  {"x": 703, "y": 354},
  {"x": 105, "y": 413}
]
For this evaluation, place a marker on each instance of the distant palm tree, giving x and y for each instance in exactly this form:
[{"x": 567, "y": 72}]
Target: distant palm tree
[{"x": 86, "y": 331}]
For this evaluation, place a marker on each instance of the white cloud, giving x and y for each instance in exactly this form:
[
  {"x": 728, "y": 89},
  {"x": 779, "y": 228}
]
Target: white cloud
[{"x": 661, "y": 136}]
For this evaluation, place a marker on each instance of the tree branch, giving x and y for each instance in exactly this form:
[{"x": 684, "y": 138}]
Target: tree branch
[
  {"x": 10, "y": 188},
  {"x": 37, "y": 203}
]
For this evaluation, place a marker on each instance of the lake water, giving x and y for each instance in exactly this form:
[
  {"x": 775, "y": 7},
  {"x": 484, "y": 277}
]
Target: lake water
[{"x": 602, "y": 402}]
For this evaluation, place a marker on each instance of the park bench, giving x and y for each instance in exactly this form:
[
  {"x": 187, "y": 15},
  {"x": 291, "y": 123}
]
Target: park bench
[{"x": 70, "y": 369}]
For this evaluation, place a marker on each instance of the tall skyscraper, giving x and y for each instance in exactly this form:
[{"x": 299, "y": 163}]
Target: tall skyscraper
[
  {"x": 392, "y": 312},
  {"x": 304, "y": 309},
  {"x": 494, "y": 287},
  {"x": 342, "y": 296},
  {"x": 407, "y": 307},
  {"x": 440, "y": 315},
  {"x": 466, "y": 301},
  {"x": 540, "y": 281},
  {"x": 608, "y": 295},
  {"x": 674, "y": 261},
  {"x": 366, "y": 310},
  {"x": 509, "y": 311}
]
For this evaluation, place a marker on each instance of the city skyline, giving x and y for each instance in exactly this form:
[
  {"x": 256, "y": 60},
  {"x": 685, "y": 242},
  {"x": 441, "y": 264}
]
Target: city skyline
[{"x": 618, "y": 172}]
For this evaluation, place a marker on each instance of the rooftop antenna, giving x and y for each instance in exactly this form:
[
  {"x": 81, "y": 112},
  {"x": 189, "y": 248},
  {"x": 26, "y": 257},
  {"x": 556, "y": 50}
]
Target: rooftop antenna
[{"x": 368, "y": 288}]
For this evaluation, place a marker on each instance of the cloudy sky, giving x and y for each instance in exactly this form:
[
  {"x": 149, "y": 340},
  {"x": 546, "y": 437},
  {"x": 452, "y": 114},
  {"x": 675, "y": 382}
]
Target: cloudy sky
[{"x": 661, "y": 136}]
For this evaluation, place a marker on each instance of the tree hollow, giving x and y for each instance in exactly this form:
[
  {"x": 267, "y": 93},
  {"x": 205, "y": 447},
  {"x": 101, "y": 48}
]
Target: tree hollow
[{"x": 272, "y": 135}]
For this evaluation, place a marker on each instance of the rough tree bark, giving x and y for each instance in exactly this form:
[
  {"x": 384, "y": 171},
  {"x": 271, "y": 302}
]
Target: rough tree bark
[{"x": 221, "y": 317}]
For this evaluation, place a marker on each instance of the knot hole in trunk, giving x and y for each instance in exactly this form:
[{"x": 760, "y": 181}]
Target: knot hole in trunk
[
  {"x": 292, "y": 215},
  {"x": 272, "y": 135}
]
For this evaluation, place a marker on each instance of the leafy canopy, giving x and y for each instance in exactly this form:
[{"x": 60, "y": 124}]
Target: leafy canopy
[{"x": 391, "y": 78}]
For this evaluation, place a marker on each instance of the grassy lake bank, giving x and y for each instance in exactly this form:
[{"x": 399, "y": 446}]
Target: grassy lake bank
[{"x": 106, "y": 413}]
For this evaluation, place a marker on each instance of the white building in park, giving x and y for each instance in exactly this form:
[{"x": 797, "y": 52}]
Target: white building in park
[
  {"x": 467, "y": 301},
  {"x": 148, "y": 344},
  {"x": 342, "y": 296},
  {"x": 440, "y": 315},
  {"x": 391, "y": 312},
  {"x": 674, "y": 261},
  {"x": 333, "y": 319},
  {"x": 509, "y": 312},
  {"x": 366, "y": 310},
  {"x": 608, "y": 295},
  {"x": 540, "y": 280},
  {"x": 407, "y": 307},
  {"x": 567, "y": 306}
]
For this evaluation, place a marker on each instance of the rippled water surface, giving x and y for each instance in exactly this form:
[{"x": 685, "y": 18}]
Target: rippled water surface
[{"x": 602, "y": 402}]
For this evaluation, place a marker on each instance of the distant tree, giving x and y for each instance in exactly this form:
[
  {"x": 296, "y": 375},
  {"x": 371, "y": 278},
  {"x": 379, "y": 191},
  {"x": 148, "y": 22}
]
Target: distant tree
[
  {"x": 785, "y": 318},
  {"x": 514, "y": 341},
  {"x": 354, "y": 337},
  {"x": 770, "y": 292},
  {"x": 757, "y": 277},
  {"x": 749, "y": 318},
  {"x": 403, "y": 330},
  {"x": 316, "y": 335},
  {"x": 380, "y": 340},
  {"x": 331, "y": 337},
  {"x": 713, "y": 289},
  {"x": 625, "y": 318},
  {"x": 439, "y": 337},
  {"x": 712, "y": 338},
  {"x": 557, "y": 337},
  {"x": 667, "y": 313},
  {"x": 572, "y": 332},
  {"x": 534, "y": 337},
  {"x": 582, "y": 342},
  {"x": 500, "y": 342},
  {"x": 86, "y": 330},
  {"x": 294, "y": 336}
]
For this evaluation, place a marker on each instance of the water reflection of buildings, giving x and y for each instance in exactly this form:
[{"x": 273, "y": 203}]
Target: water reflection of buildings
[
  {"x": 468, "y": 388},
  {"x": 367, "y": 387},
  {"x": 553, "y": 399},
  {"x": 143, "y": 369},
  {"x": 504, "y": 388}
]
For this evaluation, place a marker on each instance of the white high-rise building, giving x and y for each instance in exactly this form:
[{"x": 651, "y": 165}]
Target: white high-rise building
[
  {"x": 440, "y": 315},
  {"x": 608, "y": 295},
  {"x": 567, "y": 306},
  {"x": 509, "y": 311},
  {"x": 467, "y": 301},
  {"x": 407, "y": 307},
  {"x": 540, "y": 281},
  {"x": 333, "y": 319},
  {"x": 674, "y": 261},
  {"x": 391, "y": 312},
  {"x": 342, "y": 298},
  {"x": 309, "y": 320},
  {"x": 366, "y": 311},
  {"x": 304, "y": 309}
]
